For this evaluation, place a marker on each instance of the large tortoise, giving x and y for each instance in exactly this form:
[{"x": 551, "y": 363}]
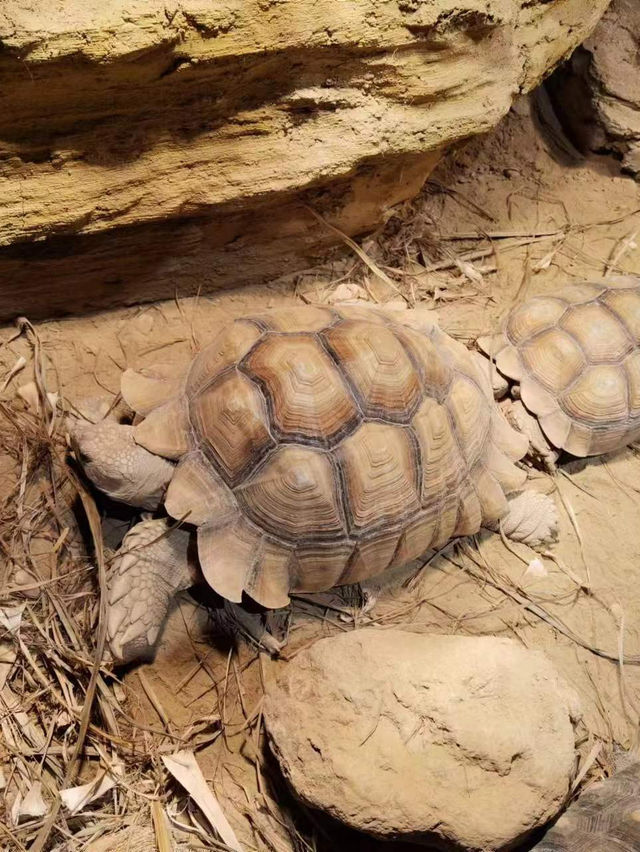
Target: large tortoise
[{"x": 314, "y": 447}]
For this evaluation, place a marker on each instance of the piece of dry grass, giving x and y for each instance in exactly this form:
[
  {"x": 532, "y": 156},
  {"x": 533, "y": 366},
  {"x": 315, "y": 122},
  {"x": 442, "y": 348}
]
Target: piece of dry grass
[
  {"x": 184, "y": 768},
  {"x": 586, "y": 765},
  {"x": 574, "y": 523},
  {"x": 471, "y": 563},
  {"x": 56, "y": 648},
  {"x": 163, "y": 837},
  {"x": 75, "y": 765},
  {"x": 364, "y": 257}
]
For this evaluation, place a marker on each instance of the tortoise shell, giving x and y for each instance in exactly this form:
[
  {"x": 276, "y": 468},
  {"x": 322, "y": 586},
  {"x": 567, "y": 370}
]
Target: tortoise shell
[
  {"x": 576, "y": 354},
  {"x": 318, "y": 447},
  {"x": 604, "y": 818}
]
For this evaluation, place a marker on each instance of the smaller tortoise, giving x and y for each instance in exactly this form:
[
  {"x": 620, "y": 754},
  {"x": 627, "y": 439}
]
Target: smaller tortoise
[
  {"x": 576, "y": 358},
  {"x": 309, "y": 447}
]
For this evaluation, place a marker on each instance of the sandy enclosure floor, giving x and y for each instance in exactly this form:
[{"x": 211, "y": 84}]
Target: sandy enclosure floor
[{"x": 504, "y": 217}]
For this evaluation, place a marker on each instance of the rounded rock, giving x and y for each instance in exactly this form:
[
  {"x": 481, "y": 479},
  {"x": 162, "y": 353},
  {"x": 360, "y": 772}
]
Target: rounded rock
[{"x": 456, "y": 741}]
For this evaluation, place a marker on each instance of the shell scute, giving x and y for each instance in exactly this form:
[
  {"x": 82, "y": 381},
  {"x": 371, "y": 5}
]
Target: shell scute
[
  {"x": 165, "y": 430},
  {"x": 469, "y": 518},
  {"x": 454, "y": 353},
  {"x": 294, "y": 495},
  {"x": 471, "y": 416},
  {"x": 146, "y": 389},
  {"x": 435, "y": 370},
  {"x": 227, "y": 348},
  {"x": 308, "y": 396},
  {"x": 554, "y": 358},
  {"x": 490, "y": 494},
  {"x": 598, "y": 332},
  {"x": 379, "y": 471},
  {"x": 230, "y": 419},
  {"x": 372, "y": 556},
  {"x": 532, "y": 317},
  {"x": 197, "y": 494},
  {"x": 598, "y": 397},
  {"x": 626, "y": 306},
  {"x": 632, "y": 369},
  {"x": 269, "y": 581},
  {"x": 318, "y": 566},
  {"x": 582, "y": 291},
  {"x": 227, "y": 554},
  {"x": 447, "y": 520},
  {"x": 416, "y": 538},
  {"x": 380, "y": 371},
  {"x": 443, "y": 464},
  {"x": 296, "y": 318}
]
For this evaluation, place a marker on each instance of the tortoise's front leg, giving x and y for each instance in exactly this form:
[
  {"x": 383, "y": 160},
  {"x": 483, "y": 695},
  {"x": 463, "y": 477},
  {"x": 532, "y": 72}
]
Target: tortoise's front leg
[{"x": 149, "y": 568}]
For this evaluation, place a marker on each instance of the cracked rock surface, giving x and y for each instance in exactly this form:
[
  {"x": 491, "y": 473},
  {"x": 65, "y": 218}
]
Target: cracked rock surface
[{"x": 454, "y": 740}]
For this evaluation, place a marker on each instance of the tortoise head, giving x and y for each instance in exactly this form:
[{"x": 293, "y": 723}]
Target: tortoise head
[{"x": 117, "y": 465}]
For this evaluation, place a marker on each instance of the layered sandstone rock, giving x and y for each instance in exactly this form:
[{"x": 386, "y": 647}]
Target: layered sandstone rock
[{"x": 150, "y": 146}]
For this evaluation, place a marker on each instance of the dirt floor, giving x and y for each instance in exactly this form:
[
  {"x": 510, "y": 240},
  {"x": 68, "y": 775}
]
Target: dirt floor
[{"x": 504, "y": 217}]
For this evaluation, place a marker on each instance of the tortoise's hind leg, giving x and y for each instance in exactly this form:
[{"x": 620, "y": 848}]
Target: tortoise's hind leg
[
  {"x": 531, "y": 518},
  {"x": 234, "y": 619},
  {"x": 150, "y": 567},
  {"x": 605, "y": 818}
]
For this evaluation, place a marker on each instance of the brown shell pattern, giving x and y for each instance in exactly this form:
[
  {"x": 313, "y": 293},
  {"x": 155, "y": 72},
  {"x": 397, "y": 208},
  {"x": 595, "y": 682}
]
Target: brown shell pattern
[
  {"x": 319, "y": 447},
  {"x": 577, "y": 357},
  {"x": 604, "y": 818}
]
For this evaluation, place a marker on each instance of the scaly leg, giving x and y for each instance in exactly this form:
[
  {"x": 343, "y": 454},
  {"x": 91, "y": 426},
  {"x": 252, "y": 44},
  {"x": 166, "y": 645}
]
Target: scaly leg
[
  {"x": 150, "y": 567},
  {"x": 532, "y": 518},
  {"x": 539, "y": 448}
]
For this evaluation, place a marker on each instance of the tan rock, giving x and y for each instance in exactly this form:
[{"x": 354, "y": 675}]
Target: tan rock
[
  {"x": 151, "y": 146},
  {"x": 596, "y": 95},
  {"x": 445, "y": 739}
]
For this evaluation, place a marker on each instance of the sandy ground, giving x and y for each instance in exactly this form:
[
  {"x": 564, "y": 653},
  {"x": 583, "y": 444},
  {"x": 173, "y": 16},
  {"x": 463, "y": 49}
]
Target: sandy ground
[{"x": 502, "y": 218}]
